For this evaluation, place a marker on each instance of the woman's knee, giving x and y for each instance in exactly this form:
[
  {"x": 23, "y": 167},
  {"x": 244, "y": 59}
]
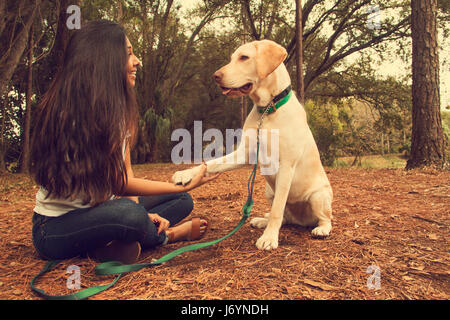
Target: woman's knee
[
  {"x": 137, "y": 223},
  {"x": 126, "y": 212},
  {"x": 187, "y": 201}
]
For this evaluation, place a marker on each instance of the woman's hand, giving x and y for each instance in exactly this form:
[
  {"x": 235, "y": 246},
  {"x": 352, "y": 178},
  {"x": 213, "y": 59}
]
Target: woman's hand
[
  {"x": 159, "y": 222},
  {"x": 200, "y": 178}
]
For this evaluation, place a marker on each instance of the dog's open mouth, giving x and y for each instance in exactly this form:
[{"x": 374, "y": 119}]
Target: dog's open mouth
[{"x": 237, "y": 92}]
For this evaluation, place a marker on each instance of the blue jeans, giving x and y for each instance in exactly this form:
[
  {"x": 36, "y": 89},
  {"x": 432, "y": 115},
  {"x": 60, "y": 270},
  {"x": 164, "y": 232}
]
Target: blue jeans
[{"x": 82, "y": 230}]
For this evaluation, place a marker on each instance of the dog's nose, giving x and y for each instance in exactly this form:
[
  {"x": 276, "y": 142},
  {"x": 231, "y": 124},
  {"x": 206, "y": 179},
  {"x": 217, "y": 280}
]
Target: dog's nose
[{"x": 218, "y": 75}]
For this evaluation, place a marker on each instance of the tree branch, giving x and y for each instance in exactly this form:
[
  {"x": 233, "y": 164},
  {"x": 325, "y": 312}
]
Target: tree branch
[
  {"x": 308, "y": 7},
  {"x": 17, "y": 49},
  {"x": 206, "y": 19},
  {"x": 339, "y": 30},
  {"x": 328, "y": 63},
  {"x": 248, "y": 12}
]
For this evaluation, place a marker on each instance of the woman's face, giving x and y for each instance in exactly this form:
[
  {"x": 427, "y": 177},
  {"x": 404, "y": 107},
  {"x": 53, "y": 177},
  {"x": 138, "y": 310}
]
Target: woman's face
[{"x": 133, "y": 63}]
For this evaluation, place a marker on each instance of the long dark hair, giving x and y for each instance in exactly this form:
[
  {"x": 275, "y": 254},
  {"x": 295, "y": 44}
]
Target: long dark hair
[{"x": 84, "y": 117}]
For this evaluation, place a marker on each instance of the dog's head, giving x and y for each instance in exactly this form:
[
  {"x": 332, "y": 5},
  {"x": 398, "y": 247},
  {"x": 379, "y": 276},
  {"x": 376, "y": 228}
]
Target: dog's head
[{"x": 250, "y": 64}]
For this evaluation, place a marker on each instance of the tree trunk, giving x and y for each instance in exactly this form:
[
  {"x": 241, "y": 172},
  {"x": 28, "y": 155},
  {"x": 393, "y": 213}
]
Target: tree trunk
[
  {"x": 2, "y": 16},
  {"x": 299, "y": 52},
  {"x": 119, "y": 12},
  {"x": 388, "y": 142},
  {"x": 244, "y": 100},
  {"x": 187, "y": 50},
  {"x": 428, "y": 144},
  {"x": 62, "y": 34},
  {"x": 27, "y": 123},
  {"x": 18, "y": 47},
  {"x": 3, "y": 145}
]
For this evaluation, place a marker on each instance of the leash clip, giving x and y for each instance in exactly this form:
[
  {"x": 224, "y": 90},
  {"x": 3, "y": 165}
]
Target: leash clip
[{"x": 273, "y": 105}]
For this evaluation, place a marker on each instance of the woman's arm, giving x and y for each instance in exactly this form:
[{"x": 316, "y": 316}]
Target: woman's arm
[{"x": 144, "y": 187}]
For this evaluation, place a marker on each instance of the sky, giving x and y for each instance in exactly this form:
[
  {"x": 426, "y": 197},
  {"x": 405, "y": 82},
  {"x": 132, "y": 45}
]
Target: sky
[{"x": 396, "y": 67}]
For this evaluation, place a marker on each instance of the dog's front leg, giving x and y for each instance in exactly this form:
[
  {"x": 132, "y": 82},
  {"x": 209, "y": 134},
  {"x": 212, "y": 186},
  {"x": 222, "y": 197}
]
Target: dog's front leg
[
  {"x": 231, "y": 161},
  {"x": 269, "y": 239},
  {"x": 238, "y": 158}
]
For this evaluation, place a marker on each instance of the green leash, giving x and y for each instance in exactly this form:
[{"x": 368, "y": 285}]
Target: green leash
[{"x": 115, "y": 267}]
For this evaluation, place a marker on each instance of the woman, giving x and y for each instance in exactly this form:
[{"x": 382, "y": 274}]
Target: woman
[{"x": 81, "y": 159}]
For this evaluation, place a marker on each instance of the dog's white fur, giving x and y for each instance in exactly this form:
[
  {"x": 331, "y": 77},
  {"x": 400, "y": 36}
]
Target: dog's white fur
[{"x": 299, "y": 191}]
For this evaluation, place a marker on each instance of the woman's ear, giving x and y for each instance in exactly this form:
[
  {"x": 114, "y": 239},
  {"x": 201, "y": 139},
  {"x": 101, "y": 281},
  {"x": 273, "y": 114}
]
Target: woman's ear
[{"x": 269, "y": 55}]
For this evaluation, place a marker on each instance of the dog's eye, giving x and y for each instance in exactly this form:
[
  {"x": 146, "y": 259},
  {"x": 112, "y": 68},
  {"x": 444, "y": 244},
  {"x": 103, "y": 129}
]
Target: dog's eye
[{"x": 243, "y": 58}]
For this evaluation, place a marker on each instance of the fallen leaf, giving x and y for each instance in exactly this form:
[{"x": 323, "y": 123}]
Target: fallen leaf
[
  {"x": 348, "y": 233},
  {"x": 17, "y": 292},
  {"x": 433, "y": 236},
  {"x": 276, "y": 270},
  {"x": 319, "y": 285},
  {"x": 419, "y": 268}
]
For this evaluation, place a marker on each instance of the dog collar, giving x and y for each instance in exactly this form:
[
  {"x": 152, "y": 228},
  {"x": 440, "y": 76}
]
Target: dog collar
[{"x": 277, "y": 102}]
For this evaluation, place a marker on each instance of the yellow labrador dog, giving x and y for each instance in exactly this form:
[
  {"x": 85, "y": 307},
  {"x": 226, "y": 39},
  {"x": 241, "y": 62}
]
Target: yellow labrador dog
[{"x": 299, "y": 190}]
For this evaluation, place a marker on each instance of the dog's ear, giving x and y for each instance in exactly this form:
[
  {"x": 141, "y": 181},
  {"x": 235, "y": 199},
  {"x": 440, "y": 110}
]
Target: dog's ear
[{"x": 269, "y": 55}]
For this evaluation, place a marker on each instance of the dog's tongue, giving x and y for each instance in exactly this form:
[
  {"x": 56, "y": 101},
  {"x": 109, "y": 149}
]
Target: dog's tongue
[
  {"x": 235, "y": 92},
  {"x": 226, "y": 91},
  {"x": 231, "y": 92}
]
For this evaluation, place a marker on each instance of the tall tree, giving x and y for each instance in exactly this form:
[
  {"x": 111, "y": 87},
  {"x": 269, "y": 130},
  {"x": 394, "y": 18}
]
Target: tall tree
[
  {"x": 62, "y": 33},
  {"x": 27, "y": 121},
  {"x": 244, "y": 100},
  {"x": 261, "y": 24},
  {"x": 428, "y": 143},
  {"x": 3, "y": 141},
  {"x": 349, "y": 32},
  {"x": 299, "y": 52},
  {"x": 18, "y": 16}
]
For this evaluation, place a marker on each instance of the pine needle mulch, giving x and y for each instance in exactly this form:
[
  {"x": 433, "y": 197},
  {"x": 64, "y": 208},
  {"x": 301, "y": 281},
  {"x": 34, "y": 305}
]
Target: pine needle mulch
[{"x": 393, "y": 221}]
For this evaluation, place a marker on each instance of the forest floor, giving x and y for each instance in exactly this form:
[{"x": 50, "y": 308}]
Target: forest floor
[{"x": 387, "y": 222}]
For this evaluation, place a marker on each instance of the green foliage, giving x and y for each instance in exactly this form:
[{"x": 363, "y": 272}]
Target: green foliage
[
  {"x": 446, "y": 123},
  {"x": 445, "y": 114},
  {"x": 328, "y": 124},
  {"x": 159, "y": 129},
  {"x": 392, "y": 161}
]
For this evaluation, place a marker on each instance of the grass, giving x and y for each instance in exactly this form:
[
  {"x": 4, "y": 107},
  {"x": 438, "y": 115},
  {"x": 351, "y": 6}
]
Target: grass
[{"x": 389, "y": 161}]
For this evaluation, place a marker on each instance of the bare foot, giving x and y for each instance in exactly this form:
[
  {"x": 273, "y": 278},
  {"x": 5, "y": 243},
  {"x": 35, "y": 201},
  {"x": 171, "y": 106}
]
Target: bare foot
[{"x": 183, "y": 231}]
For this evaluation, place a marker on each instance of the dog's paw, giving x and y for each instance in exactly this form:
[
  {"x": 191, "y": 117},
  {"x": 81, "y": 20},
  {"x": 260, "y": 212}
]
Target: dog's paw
[
  {"x": 259, "y": 223},
  {"x": 180, "y": 177},
  {"x": 321, "y": 231},
  {"x": 267, "y": 242},
  {"x": 184, "y": 177}
]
